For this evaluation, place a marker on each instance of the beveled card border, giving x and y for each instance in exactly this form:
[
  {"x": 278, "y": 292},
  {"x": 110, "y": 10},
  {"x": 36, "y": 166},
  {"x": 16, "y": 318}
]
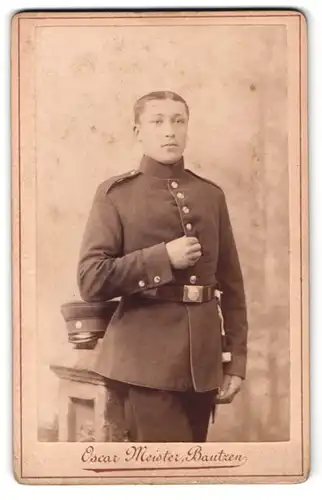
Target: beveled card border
[{"x": 296, "y": 23}]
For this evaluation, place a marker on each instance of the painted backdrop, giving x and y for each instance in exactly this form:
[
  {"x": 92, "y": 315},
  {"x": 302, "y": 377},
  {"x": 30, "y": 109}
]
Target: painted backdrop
[{"x": 234, "y": 79}]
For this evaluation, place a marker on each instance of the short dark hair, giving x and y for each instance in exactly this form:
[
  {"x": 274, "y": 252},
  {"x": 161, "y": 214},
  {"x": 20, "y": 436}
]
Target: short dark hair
[{"x": 156, "y": 95}]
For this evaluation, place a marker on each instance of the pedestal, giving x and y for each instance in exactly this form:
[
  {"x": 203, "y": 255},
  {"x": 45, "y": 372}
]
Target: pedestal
[{"x": 89, "y": 410}]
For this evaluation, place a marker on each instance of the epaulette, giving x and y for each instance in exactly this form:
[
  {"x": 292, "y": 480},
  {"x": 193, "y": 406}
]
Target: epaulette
[
  {"x": 203, "y": 178},
  {"x": 117, "y": 179}
]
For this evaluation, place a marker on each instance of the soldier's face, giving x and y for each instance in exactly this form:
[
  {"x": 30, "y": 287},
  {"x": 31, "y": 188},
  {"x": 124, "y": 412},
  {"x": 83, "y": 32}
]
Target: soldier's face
[{"x": 162, "y": 130}]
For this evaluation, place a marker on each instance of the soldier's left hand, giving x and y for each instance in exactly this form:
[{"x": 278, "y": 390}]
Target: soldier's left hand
[{"x": 230, "y": 387}]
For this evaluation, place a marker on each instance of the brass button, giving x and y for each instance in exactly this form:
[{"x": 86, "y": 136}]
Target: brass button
[
  {"x": 78, "y": 324},
  {"x": 185, "y": 210},
  {"x": 193, "y": 279},
  {"x": 180, "y": 196},
  {"x": 141, "y": 284},
  {"x": 174, "y": 184},
  {"x": 189, "y": 226},
  {"x": 133, "y": 172},
  {"x": 156, "y": 279}
]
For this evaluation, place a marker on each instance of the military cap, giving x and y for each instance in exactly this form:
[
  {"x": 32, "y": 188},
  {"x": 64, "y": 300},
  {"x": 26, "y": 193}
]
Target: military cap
[{"x": 86, "y": 322}]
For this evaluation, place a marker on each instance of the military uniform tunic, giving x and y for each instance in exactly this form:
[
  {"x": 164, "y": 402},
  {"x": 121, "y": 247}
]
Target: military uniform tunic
[{"x": 155, "y": 343}]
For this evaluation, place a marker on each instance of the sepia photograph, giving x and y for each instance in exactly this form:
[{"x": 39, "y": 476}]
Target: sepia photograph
[{"x": 159, "y": 167}]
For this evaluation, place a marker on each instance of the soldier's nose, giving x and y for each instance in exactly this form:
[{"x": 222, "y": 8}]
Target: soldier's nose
[{"x": 168, "y": 131}]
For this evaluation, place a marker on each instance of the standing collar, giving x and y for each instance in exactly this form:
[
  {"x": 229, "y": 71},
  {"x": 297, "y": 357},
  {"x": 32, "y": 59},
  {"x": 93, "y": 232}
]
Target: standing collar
[{"x": 154, "y": 168}]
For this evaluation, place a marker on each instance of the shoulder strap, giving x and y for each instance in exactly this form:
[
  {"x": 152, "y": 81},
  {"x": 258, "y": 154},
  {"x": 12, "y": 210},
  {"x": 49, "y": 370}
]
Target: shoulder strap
[
  {"x": 117, "y": 179},
  {"x": 203, "y": 178}
]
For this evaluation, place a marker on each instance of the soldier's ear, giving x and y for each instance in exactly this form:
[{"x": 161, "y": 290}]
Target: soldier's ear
[{"x": 136, "y": 131}]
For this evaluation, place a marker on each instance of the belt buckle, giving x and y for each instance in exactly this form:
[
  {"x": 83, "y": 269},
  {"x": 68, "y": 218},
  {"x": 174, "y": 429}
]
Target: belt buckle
[{"x": 192, "y": 293}]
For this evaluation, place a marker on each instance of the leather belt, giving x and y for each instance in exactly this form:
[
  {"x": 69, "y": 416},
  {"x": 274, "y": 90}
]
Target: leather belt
[{"x": 182, "y": 293}]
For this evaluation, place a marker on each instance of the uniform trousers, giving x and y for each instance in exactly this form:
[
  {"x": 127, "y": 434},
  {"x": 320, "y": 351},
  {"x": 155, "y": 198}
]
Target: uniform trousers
[{"x": 154, "y": 415}]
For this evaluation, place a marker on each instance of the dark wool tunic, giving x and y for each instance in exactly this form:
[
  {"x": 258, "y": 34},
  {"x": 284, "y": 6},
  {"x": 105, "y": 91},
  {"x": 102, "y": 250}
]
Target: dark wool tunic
[{"x": 154, "y": 343}]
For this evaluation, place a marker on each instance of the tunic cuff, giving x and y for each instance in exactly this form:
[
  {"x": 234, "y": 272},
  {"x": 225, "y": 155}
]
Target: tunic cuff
[
  {"x": 237, "y": 366},
  {"x": 157, "y": 266}
]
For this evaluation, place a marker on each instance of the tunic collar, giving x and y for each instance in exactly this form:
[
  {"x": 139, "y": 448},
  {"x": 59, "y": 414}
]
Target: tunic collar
[{"x": 154, "y": 168}]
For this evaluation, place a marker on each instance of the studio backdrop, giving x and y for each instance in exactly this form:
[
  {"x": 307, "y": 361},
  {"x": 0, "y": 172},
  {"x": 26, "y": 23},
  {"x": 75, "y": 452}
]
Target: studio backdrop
[{"x": 234, "y": 79}]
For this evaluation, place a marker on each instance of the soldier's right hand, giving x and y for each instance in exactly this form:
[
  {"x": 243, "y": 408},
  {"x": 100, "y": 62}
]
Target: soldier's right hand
[{"x": 183, "y": 252}]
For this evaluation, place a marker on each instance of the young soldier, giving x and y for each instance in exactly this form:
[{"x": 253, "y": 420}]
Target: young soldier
[{"x": 160, "y": 237}]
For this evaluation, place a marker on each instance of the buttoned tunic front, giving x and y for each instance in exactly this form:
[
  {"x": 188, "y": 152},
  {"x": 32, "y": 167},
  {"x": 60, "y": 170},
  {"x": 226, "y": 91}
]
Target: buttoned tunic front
[{"x": 156, "y": 343}]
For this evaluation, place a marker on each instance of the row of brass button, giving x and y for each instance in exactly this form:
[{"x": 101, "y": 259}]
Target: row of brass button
[{"x": 188, "y": 226}]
